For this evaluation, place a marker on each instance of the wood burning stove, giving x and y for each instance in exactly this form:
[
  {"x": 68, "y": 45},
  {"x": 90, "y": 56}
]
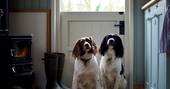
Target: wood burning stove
[
  {"x": 16, "y": 61},
  {"x": 21, "y": 60}
]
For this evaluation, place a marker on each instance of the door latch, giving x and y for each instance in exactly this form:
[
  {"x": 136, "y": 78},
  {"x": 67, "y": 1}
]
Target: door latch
[{"x": 121, "y": 26}]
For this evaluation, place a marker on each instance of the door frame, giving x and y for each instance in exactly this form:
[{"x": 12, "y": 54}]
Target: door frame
[{"x": 129, "y": 25}]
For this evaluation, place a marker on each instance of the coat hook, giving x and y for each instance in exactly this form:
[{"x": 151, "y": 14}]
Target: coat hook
[
  {"x": 157, "y": 6},
  {"x": 149, "y": 10}
]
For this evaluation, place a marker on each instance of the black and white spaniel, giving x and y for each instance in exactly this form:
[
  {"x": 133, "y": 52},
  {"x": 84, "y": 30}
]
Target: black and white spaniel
[
  {"x": 111, "y": 67},
  {"x": 86, "y": 71}
]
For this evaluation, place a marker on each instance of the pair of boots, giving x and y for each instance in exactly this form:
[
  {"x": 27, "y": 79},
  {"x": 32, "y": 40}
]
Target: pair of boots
[{"x": 54, "y": 63}]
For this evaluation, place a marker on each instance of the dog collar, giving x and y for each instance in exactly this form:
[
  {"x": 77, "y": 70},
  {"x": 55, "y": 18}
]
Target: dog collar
[{"x": 85, "y": 60}]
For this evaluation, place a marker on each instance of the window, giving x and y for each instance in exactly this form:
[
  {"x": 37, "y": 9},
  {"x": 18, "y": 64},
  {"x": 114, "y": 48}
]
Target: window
[{"x": 92, "y": 5}]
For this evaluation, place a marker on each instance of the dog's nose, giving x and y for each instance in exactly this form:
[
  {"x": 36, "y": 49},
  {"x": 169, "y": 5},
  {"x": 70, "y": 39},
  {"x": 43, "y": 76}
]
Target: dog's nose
[
  {"x": 87, "y": 45},
  {"x": 110, "y": 41}
]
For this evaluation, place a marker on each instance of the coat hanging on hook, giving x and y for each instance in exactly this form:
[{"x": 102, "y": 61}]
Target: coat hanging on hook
[{"x": 165, "y": 35}]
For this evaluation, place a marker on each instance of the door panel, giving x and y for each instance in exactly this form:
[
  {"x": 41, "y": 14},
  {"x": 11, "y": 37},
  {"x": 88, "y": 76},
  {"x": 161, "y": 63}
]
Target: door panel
[
  {"x": 148, "y": 57},
  {"x": 154, "y": 53},
  {"x": 94, "y": 29},
  {"x": 80, "y": 24}
]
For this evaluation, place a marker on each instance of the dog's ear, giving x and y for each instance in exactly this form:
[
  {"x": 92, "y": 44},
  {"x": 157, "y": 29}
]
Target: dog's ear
[
  {"x": 94, "y": 47},
  {"x": 119, "y": 50},
  {"x": 103, "y": 46},
  {"x": 76, "y": 50}
]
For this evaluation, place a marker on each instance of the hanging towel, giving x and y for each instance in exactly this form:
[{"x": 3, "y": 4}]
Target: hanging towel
[{"x": 165, "y": 35}]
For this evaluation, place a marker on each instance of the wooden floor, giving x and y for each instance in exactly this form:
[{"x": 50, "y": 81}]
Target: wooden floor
[{"x": 139, "y": 87}]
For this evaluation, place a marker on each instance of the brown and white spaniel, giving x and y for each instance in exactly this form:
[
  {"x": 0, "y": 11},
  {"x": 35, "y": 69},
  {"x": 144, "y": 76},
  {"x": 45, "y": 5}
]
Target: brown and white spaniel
[{"x": 86, "y": 66}]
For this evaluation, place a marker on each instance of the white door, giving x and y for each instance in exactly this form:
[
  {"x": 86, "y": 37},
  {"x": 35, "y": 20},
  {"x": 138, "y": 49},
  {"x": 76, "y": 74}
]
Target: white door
[{"x": 80, "y": 24}]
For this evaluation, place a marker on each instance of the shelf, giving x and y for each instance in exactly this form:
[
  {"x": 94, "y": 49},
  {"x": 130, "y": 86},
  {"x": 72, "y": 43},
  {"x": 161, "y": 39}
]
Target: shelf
[{"x": 150, "y": 3}]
